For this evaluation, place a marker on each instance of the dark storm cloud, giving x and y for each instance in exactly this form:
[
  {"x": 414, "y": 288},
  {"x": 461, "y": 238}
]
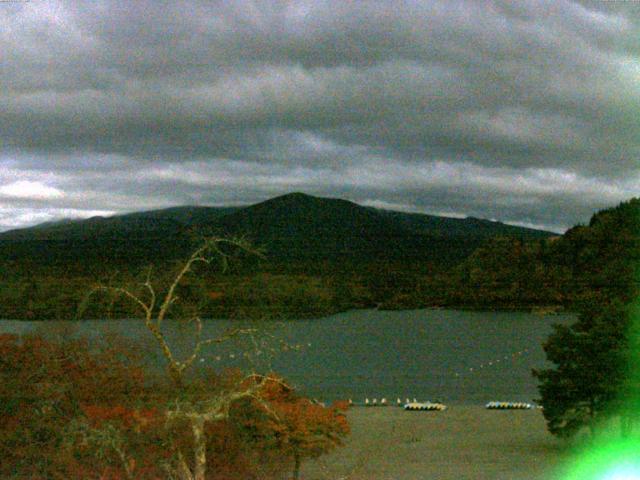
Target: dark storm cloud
[{"x": 524, "y": 111}]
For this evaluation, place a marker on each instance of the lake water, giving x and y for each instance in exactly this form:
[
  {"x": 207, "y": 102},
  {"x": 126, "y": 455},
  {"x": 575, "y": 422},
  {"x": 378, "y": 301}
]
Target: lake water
[{"x": 460, "y": 357}]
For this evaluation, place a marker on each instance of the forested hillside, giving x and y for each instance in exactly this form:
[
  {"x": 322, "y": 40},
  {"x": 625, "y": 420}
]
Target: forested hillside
[
  {"x": 598, "y": 259},
  {"x": 320, "y": 255}
]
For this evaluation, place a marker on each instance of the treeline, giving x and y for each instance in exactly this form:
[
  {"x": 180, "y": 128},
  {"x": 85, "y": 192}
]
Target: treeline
[
  {"x": 246, "y": 290},
  {"x": 505, "y": 273}
]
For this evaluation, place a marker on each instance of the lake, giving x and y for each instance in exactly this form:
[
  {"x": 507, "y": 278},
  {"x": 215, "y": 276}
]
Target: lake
[{"x": 458, "y": 357}]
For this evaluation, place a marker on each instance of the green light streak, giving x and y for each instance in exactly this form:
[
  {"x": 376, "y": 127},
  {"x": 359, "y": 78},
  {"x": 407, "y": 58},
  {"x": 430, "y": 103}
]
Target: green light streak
[{"x": 617, "y": 460}]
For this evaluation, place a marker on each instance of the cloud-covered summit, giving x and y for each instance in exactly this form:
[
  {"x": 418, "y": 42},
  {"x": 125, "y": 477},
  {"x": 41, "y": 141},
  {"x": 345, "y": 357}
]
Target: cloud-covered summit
[{"x": 527, "y": 111}]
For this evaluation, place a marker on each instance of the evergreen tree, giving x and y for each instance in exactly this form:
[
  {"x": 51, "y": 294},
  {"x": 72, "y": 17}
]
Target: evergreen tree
[{"x": 588, "y": 381}]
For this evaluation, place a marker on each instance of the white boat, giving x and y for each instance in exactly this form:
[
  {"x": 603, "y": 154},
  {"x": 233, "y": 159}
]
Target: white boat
[
  {"x": 425, "y": 406},
  {"x": 508, "y": 406}
]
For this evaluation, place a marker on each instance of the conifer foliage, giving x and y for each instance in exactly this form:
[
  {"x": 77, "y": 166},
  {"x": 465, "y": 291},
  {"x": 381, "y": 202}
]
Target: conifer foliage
[
  {"x": 586, "y": 384},
  {"x": 594, "y": 359}
]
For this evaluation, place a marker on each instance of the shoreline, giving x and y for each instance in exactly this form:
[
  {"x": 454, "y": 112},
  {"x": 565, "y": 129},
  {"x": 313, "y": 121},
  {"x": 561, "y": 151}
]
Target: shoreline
[{"x": 547, "y": 310}]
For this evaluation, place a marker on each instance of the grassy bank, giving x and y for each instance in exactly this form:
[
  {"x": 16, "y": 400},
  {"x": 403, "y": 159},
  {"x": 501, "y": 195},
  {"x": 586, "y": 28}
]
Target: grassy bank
[{"x": 463, "y": 442}]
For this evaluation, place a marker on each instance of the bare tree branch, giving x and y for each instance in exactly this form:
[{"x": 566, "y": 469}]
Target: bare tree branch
[
  {"x": 128, "y": 294},
  {"x": 218, "y": 405}
]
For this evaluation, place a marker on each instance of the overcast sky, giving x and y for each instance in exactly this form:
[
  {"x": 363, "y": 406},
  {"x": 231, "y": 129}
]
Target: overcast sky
[{"x": 522, "y": 111}]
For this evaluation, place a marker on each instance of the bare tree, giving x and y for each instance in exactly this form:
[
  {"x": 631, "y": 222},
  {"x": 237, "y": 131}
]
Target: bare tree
[{"x": 197, "y": 413}]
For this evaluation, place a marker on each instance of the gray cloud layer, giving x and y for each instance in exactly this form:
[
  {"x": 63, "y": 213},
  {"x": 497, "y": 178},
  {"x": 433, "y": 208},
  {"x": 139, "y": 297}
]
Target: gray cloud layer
[{"x": 526, "y": 111}]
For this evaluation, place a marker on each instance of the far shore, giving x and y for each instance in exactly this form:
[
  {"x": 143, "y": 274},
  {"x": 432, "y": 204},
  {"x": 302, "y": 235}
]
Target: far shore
[{"x": 291, "y": 316}]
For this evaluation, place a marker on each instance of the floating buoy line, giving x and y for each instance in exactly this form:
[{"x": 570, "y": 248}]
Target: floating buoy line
[
  {"x": 492, "y": 363},
  {"x": 407, "y": 404},
  {"x": 253, "y": 353},
  {"x": 415, "y": 405}
]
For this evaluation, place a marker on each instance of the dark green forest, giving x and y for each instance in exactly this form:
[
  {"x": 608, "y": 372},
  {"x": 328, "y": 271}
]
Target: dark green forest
[{"x": 594, "y": 378}]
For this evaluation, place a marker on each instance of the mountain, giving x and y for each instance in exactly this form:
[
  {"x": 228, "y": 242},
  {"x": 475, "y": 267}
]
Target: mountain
[
  {"x": 298, "y": 226},
  {"x": 293, "y": 228},
  {"x": 323, "y": 255}
]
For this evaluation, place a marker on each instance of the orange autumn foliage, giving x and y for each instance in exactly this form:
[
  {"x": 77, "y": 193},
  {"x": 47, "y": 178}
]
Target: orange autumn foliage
[
  {"x": 47, "y": 386},
  {"x": 127, "y": 418},
  {"x": 307, "y": 429},
  {"x": 295, "y": 426},
  {"x": 44, "y": 387}
]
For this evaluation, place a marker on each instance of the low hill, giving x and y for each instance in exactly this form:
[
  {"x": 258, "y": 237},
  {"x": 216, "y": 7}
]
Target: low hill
[{"x": 598, "y": 260}]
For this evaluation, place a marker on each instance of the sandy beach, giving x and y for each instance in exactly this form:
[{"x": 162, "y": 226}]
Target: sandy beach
[{"x": 463, "y": 442}]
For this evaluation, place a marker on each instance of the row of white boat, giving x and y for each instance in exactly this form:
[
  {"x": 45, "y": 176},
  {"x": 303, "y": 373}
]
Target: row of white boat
[
  {"x": 438, "y": 406},
  {"x": 509, "y": 406},
  {"x": 407, "y": 404},
  {"x": 383, "y": 402}
]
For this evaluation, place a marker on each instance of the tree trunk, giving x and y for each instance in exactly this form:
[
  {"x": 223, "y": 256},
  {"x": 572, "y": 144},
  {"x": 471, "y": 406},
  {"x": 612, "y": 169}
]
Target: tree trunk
[
  {"x": 200, "y": 446},
  {"x": 296, "y": 466},
  {"x": 183, "y": 471},
  {"x": 592, "y": 419},
  {"x": 176, "y": 375}
]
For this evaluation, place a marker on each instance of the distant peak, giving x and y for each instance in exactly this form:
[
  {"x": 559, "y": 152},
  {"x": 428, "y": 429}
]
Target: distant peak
[{"x": 294, "y": 196}]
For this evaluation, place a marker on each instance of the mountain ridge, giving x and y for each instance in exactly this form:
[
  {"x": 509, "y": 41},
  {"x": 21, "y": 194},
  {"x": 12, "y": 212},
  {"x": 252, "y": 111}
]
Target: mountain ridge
[
  {"x": 193, "y": 214},
  {"x": 294, "y": 228}
]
